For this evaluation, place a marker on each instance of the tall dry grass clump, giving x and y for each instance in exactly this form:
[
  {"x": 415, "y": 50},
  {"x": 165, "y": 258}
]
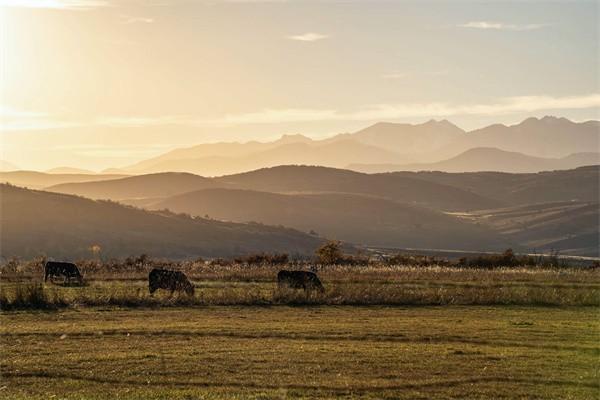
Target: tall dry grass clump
[{"x": 30, "y": 296}]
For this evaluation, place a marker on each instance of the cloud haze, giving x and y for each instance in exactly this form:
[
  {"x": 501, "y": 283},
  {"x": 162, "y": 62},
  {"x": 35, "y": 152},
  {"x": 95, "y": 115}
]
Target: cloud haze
[
  {"x": 308, "y": 37},
  {"x": 500, "y": 26},
  {"x": 28, "y": 120}
]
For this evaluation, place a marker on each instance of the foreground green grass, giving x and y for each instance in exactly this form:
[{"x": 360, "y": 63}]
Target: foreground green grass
[{"x": 301, "y": 352}]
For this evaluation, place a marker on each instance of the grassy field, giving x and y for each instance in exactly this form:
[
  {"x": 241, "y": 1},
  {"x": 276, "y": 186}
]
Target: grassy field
[
  {"x": 302, "y": 352},
  {"x": 376, "y": 332}
]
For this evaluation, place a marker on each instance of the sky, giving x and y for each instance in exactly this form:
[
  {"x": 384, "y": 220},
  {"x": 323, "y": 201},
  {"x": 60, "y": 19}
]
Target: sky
[{"x": 104, "y": 83}]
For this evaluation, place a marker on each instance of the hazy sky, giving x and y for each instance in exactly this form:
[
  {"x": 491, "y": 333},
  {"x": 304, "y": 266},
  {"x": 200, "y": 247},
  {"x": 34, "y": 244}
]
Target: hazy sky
[{"x": 103, "y": 83}]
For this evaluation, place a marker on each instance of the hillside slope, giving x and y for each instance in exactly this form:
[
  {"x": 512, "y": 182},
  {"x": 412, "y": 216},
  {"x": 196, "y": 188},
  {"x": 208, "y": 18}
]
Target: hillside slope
[
  {"x": 141, "y": 186},
  {"x": 287, "y": 179},
  {"x": 64, "y": 226},
  {"x": 568, "y": 227},
  {"x": 307, "y": 179},
  {"x": 582, "y": 184},
  {"x": 355, "y": 218}
]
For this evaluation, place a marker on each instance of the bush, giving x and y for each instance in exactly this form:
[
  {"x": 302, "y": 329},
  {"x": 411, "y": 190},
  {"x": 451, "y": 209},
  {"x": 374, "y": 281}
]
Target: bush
[
  {"x": 506, "y": 259},
  {"x": 416, "y": 260},
  {"x": 329, "y": 253}
]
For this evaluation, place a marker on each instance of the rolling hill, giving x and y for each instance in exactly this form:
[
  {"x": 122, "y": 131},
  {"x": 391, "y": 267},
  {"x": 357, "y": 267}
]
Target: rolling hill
[
  {"x": 582, "y": 184},
  {"x": 435, "y": 190},
  {"x": 64, "y": 226},
  {"x": 308, "y": 179},
  {"x": 355, "y": 218},
  {"x": 488, "y": 159},
  {"x": 287, "y": 179},
  {"x": 136, "y": 187}
]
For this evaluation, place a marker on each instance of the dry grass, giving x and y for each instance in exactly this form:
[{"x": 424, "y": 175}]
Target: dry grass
[
  {"x": 411, "y": 292},
  {"x": 125, "y": 284}
]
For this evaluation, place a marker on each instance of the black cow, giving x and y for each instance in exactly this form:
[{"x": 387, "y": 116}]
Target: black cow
[
  {"x": 170, "y": 280},
  {"x": 299, "y": 280},
  {"x": 67, "y": 270}
]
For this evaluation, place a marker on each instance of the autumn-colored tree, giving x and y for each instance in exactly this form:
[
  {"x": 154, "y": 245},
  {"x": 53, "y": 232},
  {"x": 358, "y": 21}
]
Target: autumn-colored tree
[{"x": 329, "y": 253}]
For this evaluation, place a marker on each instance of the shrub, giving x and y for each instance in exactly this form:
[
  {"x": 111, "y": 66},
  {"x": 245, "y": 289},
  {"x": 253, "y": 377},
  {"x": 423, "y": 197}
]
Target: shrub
[
  {"x": 506, "y": 259},
  {"x": 416, "y": 260},
  {"x": 329, "y": 253}
]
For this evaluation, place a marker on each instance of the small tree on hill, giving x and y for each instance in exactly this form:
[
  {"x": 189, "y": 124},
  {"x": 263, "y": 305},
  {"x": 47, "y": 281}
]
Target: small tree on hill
[{"x": 329, "y": 253}]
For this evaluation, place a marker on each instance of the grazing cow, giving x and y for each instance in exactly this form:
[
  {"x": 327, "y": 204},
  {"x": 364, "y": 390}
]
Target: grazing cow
[
  {"x": 170, "y": 280},
  {"x": 66, "y": 270},
  {"x": 299, "y": 280}
]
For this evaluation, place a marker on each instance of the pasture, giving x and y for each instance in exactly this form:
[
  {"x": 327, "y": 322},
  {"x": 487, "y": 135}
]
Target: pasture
[
  {"x": 376, "y": 332},
  {"x": 302, "y": 352}
]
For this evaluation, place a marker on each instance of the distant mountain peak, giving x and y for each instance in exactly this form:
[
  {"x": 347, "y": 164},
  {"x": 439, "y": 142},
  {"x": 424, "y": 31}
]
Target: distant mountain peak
[{"x": 547, "y": 119}]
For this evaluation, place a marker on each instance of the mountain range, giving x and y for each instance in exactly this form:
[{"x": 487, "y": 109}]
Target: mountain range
[{"x": 545, "y": 143}]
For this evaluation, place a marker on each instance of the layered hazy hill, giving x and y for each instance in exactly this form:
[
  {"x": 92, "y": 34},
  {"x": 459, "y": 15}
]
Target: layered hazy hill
[
  {"x": 579, "y": 184},
  {"x": 136, "y": 187},
  {"x": 349, "y": 217},
  {"x": 399, "y": 209},
  {"x": 64, "y": 226},
  {"x": 205, "y": 159},
  {"x": 488, "y": 159},
  {"x": 546, "y": 143},
  {"x": 288, "y": 179},
  {"x": 435, "y": 190}
]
